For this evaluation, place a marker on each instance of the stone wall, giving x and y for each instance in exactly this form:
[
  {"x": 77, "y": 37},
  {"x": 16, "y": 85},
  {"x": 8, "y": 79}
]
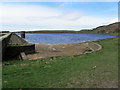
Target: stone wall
[
  {"x": 13, "y": 51},
  {"x": 12, "y": 45},
  {"x": 3, "y": 44}
]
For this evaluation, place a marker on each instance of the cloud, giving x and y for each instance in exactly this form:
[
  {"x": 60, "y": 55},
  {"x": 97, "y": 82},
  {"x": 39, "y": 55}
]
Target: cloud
[
  {"x": 72, "y": 16},
  {"x": 20, "y": 13},
  {"x": 67, "y": 3},
  {"x": 31, "y": 17},
  {"x": 114, "y": 20}
]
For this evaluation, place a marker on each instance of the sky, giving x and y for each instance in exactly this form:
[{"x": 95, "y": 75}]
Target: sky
[{"x": 30, "y": 16}]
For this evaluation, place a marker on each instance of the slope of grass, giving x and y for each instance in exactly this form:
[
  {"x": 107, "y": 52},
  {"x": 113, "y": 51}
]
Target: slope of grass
[{"x": 93, "y": 70}]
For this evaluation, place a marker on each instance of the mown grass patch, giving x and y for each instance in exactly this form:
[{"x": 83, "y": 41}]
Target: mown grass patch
[{"x": 92, "y": 70}]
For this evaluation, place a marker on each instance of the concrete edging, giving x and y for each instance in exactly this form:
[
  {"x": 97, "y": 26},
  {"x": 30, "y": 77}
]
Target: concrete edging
[
  {"x": 3, "y": 44},
  {"x": 5, "y": 36},
  {"x": 99, "y": 47}
]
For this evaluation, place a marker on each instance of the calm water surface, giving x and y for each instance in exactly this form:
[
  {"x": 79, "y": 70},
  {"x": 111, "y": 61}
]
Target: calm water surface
[{"x": 63, "y": 38}]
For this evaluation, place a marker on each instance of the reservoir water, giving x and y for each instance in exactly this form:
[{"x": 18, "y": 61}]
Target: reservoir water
[{"x": 63, "y": 38}]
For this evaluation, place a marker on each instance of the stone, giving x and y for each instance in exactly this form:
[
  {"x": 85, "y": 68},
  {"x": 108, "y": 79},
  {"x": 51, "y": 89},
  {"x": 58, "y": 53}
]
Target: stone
[{"x": 23, "y": 56}]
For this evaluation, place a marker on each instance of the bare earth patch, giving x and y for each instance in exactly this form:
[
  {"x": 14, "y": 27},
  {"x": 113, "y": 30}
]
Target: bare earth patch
[{"x": 43, "y": 51}]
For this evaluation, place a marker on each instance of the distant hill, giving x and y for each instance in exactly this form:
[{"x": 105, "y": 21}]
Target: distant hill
[
  {"x": 52, "y": 31},
  {"x": 111, "y": 28}
]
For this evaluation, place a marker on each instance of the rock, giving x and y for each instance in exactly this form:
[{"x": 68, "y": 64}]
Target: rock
[
  {"x": 54, "y": 49},
  {"x": 23, "y": 56},
  {"x": 63, "y": 47}
]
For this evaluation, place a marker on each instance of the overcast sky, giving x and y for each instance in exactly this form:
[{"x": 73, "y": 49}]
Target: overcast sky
[{"x": 56, "y": 15}]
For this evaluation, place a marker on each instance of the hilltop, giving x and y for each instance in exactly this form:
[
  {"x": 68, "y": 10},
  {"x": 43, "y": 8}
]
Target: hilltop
[{"x": 111, "y": 28}]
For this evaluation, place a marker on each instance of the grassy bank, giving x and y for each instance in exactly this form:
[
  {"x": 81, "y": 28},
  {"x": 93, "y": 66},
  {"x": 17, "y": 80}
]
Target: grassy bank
[{"x": 97, "y": 69}]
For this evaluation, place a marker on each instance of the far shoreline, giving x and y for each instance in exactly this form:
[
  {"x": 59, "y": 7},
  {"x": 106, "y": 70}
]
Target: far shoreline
[{"x": 74, "y": 32}]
